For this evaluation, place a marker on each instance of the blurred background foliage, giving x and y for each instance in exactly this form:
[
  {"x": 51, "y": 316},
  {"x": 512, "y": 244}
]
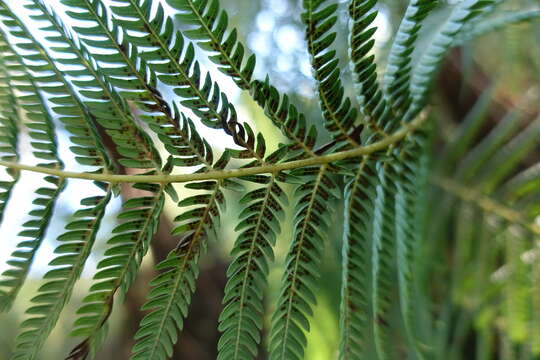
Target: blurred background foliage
[{"x": 463, "y": 264}]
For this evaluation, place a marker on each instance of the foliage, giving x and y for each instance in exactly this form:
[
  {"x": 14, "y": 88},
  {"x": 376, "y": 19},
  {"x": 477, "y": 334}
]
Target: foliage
[{"x": 127, "y": 83}]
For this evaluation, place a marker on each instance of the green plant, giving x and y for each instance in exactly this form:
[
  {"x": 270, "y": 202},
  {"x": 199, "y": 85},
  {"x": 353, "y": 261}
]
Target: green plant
[{"x": 103, "y": 77}]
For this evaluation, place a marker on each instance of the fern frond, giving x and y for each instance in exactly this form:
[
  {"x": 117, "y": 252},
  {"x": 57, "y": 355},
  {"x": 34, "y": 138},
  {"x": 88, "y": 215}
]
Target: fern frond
[
  {"x": 410, "y": 183},
  {"x": 362, "y": 13},
  {"x": 80, "y": 124},
  {"x": 356, "y": 305},
  {"x": 383, "y": 257},
  {"x": 297, "y": 295},
  {"x": 319, "y": 18},
  {"x": 241, "y": 318},
  {"x": 43, "y": 142},
  {"x": 477, "y": 157},
  {"x": 509, "y": 157},
  {"x": 167, "y": 55},
  {"x": 172, "y": 289},
  {"x": 123, "y": 70},
  {"x": 286, "y": 117},
  {"x": 133, "y": 145},
  {"x": 9, "y": 128},
  {"x": 208, "y": 28},
  {"x": 494, "y": 24},
  {"x": 209, "y": 25},
  {"x": 117, "y": 270},
  {"x": 398, "y": 70},
  {"x": 55, "y": 293},
  {"x": 428, "y": 63}
]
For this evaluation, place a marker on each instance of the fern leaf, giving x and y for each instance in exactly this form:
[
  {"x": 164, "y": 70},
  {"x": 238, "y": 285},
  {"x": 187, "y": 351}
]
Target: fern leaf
[
  {"x": 398, "y": 70},
  {"x": 9, "y": 127},
  {"x": 89, "y": 148},
  {"x": 286, "y": 117},
  {"x": 383, "y": 258},
  {"x": 47, "y": 305},
  {"x": 355, "y": 310},
  {"x": 172, "y": 289},
  {"x": 117, "y": 270},
  {"x": 363, "y": 66},
  {"x": 133, "y": 145},
  {"x": 474, "y": 160},
  {"x": 497, "y": 23},
  {"x": 297, "y": 295},
  {"x": 241, "y": 319},
  {"x": 158, "y": 330},
  {"x": 508, "y": 157},
  {"x": 127, "y": 75},
  {"x": 337, "y": 109},
  {"x": 43, "y": 142},
  {"x": 205, "y": 99},
  {"x": 428, "y": 63},
  {"x": 172, "y": 59},
  {"x": 209, "y": 26},
  {"x": 408, "y": 184}
]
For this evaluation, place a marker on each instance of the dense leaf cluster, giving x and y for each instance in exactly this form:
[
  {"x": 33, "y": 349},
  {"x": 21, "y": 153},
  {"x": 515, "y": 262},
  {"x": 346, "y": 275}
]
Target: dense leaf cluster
[{"x": 103, "y": 75}]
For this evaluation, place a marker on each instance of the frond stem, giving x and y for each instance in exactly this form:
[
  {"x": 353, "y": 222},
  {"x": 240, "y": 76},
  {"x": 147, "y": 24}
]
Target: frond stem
[{"x": 399, "y": 135}]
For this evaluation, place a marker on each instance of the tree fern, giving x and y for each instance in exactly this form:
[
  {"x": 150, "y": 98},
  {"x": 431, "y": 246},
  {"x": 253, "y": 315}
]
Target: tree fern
[{"x": 125, "y": 82}]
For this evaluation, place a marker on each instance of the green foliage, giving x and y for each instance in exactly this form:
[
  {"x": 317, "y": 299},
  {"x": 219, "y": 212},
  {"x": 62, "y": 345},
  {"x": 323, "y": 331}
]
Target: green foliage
[{"x": 127, "y": 84}]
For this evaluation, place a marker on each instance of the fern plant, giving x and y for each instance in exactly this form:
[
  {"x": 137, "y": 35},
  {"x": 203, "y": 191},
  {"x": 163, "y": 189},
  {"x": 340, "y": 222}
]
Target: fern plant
[{"x": 125, "y": 79}]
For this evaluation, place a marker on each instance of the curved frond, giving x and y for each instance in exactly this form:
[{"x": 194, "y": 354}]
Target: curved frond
[
  {"x": 117, "y": 270},
  {"x": 429, "y": 61},
  {"x": 362, "y": 14},
  {"x": 338, "y": 112},
  {"x": 398, "y": 70},
  {"x": 170, "y": 296},
  {"x": 43, "y": 142},
  {"x": 172, "y": 289},
  {"x": 355, "y": 309},
  {"x": 107, "y": 109},
  {"x": 383, "y": 257},
  {"x": 297, "y": 295},
  {"x": 9, "y": 127},
  {"x": 209, "y": 26},
  {"x": 496, "y": 23},
  {"x": 410, "y": 180},
  {"x": 126, "y": 71},
  {"x": 47, "y": 305},
  {"x": 241, "y": 318}
]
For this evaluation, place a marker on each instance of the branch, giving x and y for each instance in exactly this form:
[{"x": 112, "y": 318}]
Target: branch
[
  {"x": 485, "y": 203},
  {"x": 230, "y": 173}
]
